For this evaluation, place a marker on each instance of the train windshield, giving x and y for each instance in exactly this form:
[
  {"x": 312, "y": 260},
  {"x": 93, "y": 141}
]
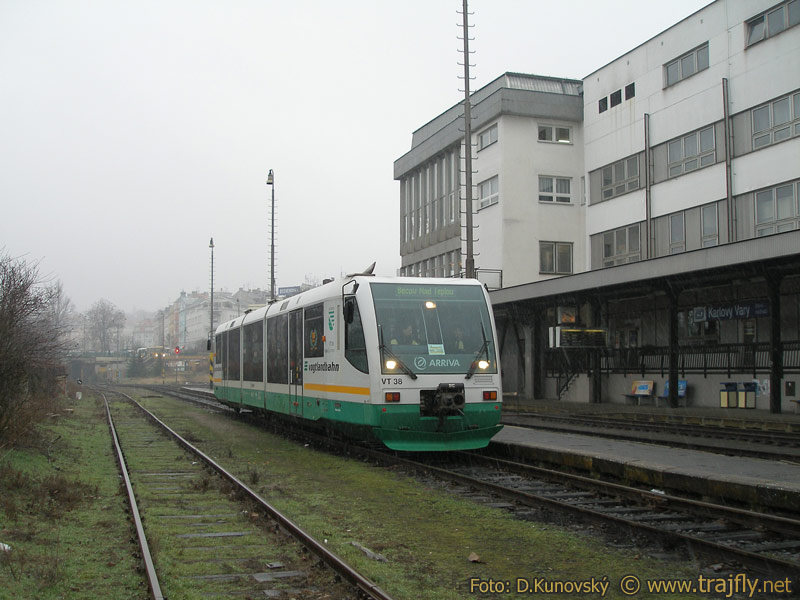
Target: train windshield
[{"x": 434, "y": 328}]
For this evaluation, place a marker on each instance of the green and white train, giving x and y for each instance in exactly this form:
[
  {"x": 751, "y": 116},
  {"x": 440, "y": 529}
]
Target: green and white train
[{"x": 411, "y": 362}]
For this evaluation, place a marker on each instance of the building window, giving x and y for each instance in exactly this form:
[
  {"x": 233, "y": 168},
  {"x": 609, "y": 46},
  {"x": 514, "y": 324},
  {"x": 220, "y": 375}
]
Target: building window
[
  {"x": 710, "y": 225},
  {"x": 621, "y": 246},
  {"x": 489, "y": 192},
  {"x": 452, "y": 185},
  {"x": 487, "y": 137},
  {"x": 554, "y": 189},
  {"x": 602, "y": 105},
  {"x": 554, "y": 133},
  {"x": 777, "y": 209},
  {"x": 686, "y": 65},
  {"x": 453, "y": 268},
  {"x": 773, "y": 22},
  {"x": 616, "y": 98},
  {"x": 691, "y": 152},
  {"x": 620, "y": 178},
  {"x": 677, "y": 234},
  {"x": 428, "y": 197},
  {"x": 555, "y": 257},
  {"x": 630, "y": 91},
  {"x": 777, "y": 121}
]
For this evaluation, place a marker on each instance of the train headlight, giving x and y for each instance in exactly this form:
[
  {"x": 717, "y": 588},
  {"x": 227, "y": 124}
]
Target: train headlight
[
  {"x": 391, "y": 364},
  {"x": 483, "y": 364},
  {"x": 430, "y": 304}
]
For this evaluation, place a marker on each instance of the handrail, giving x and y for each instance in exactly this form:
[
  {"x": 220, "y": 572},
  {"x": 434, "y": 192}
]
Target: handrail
[{"x": 702, "y": 358}]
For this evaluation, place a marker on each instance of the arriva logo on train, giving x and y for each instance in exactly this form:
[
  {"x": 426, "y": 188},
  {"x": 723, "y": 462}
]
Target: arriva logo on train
[{"x": 421, "y": 363}]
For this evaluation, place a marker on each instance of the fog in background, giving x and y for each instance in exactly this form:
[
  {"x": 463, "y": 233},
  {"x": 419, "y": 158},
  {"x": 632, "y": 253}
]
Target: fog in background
[{"x": 132, "y": 132}]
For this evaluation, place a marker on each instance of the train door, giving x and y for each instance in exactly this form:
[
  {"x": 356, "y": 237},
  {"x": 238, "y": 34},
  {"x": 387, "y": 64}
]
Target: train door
[{"x": 296, "y": 363}]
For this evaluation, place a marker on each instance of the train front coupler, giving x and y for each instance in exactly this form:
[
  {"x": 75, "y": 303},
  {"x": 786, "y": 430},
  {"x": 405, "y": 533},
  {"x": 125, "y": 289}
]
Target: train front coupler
[{"x": 445, "y": 401}]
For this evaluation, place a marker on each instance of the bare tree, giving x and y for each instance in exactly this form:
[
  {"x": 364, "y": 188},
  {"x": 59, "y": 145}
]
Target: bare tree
[
  {"x": 30, "y": 345},
  {"x": 104, "y": 318},
  {"x": 61, "y": 309}
]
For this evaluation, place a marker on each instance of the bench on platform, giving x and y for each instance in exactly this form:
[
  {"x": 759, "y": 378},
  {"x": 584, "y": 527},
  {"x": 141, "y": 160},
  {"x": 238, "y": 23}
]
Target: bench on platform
[
  {"x": 683, "y": 389},
  {"x": 641, "y": 390}
]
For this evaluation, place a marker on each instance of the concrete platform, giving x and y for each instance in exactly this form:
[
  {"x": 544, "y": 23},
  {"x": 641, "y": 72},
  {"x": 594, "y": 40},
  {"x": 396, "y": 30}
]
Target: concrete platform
[
  {"x": 725, "y": 417},
  {"x": 753, "y": 482}
]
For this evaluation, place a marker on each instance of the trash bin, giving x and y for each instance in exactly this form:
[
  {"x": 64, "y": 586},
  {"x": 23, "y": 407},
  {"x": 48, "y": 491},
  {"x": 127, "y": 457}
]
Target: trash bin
[
  {"x": 727, "y": 394},
  {"x": 747, "y": 395}
]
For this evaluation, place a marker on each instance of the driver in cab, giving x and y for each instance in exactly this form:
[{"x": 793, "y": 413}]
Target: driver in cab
[{"x": 406, "y": 338}]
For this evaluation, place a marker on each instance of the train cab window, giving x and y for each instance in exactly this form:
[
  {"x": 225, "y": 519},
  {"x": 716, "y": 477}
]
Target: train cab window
[
  {"x": 434, "y": 328},
  {"x": 355, "y": 348},
  {"x": 253, "y": 351},
  {"x": 234, "y": 353},
  {"x": 278, "y": 349},
  {"x": 218, "y": 350},
  {"x": 313, "y": 339}
]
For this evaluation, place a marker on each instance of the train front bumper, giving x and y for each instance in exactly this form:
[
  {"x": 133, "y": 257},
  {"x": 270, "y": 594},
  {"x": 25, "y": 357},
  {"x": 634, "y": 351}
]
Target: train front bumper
[{"x": 432, "y": 441}]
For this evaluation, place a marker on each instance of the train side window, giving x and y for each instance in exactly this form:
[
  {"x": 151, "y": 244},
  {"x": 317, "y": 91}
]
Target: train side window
[
  {"x": 313, "y": 344},
  {"x": 222, "y": 352},
  {"x": 218, "y": 350},
  {"x": 278, "y": 349},
  {"x": 355, "y": 348},
  {"x": 234, "y": 353},
  {"x": 253, "y": 358}
]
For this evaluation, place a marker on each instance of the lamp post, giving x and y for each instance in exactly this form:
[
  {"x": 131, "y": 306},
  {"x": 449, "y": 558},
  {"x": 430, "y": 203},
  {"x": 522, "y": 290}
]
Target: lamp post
[
  {"x": 211, "y": 331},
  {"x": 271, "y": 183}
]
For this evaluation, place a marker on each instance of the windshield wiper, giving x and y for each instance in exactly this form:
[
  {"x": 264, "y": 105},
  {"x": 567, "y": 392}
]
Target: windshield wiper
[
  {"x": 484, "y": 348},
  {"x": 386, "y": 352}
]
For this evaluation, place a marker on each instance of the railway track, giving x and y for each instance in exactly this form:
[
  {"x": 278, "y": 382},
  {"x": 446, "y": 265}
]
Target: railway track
[
  {"x": 203, "y": 530},
  {"x": 758, "y": 541},
  {"x": 754, "y": 540},
  {"x": 734, "y": 441}
]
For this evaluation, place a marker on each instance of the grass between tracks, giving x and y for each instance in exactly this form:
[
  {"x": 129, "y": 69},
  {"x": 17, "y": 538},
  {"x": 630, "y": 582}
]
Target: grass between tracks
[
  {"x": 426, "y": 534},
  {"x": 62, "y": 514}
]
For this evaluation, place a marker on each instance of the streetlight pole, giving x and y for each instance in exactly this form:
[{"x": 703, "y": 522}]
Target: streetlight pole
[
  {"x": 271, "y": 183},
  {"x": 211, "y": 331}
]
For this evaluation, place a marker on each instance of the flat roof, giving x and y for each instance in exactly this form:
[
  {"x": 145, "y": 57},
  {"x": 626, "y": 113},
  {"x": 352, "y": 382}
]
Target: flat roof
[{"x": 696, "y": 268}]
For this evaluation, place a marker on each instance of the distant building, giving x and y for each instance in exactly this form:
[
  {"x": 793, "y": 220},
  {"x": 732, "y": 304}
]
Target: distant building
[
  {"x": 188, "y": 319},
  {"x": 145, "y": 333}
]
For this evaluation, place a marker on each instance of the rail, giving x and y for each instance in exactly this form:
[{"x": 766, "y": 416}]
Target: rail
[{"x": 149, "y": 567}]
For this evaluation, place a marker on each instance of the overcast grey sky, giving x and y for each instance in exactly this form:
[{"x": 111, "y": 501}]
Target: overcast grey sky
[{"x": 132, "y": 132}]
